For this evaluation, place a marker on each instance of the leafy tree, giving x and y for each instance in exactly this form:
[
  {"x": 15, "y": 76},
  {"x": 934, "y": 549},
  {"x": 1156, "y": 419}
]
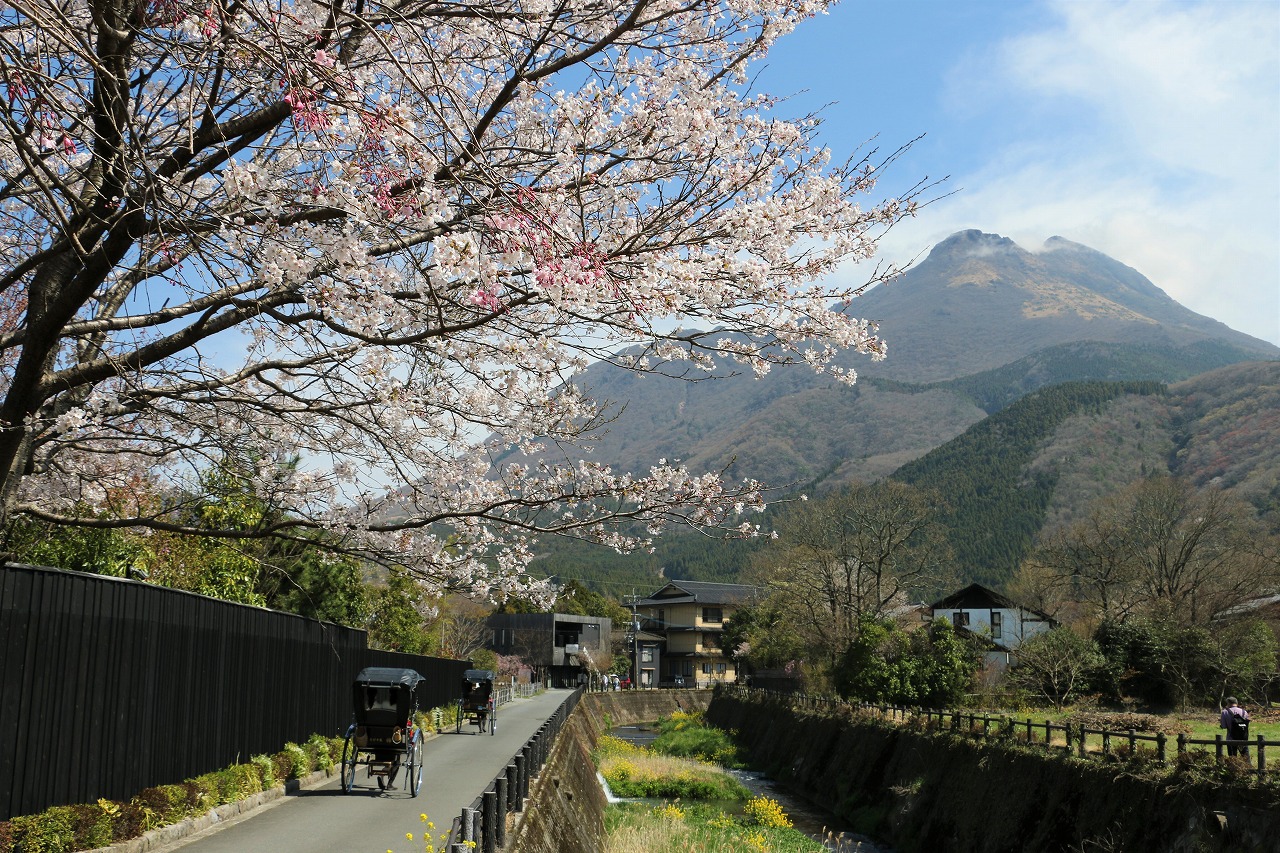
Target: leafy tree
[
  {"x": 931, "y": 666},
  {"x": 82, "y": 549},
  {"x": 369, "y": 234},
  {"x": 398, "y": 616},
  {"x": 1246, "y": 660},
  {"x": 947, "y": 664},
  {"x": 761, "y": 636},
  {"x": 485, "y": 659},
  {"x": 1055, "y": 665}
]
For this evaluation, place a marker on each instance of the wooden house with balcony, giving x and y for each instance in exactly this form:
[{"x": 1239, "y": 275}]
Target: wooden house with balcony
[{"x": 691, "y": 616}]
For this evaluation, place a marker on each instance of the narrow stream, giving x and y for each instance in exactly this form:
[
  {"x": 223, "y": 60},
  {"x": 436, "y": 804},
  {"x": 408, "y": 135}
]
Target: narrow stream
[{"x": 809, "y": 819}]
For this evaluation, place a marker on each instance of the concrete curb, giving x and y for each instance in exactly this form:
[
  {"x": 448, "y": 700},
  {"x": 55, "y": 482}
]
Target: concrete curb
[{"x": 166, "y": 835}]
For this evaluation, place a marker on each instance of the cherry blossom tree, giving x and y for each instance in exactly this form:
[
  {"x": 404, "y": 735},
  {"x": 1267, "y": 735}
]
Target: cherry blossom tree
[{"x": 380, "y": 238}]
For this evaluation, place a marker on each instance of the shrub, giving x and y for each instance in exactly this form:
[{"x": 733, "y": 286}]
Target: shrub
[
  {"x": 281, "y": 766},
  {"x": 62, "y": 829},
  {"x": 266, "y": 771},
  {"x": 51, "y": 831},
  {"x": 686, "y": 735},
  {"x": 319, "y": 748},
  {"x": 609, "y": 746},
  {"x": 762, "y": 811},
  {"x": 299, "y": 763}
]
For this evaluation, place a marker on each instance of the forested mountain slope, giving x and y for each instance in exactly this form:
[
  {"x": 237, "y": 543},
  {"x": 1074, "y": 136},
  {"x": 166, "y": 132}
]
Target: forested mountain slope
[{"x": 1036, "y": 464}]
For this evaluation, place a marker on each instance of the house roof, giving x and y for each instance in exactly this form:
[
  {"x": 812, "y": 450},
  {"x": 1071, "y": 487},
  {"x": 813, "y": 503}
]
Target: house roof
[
  {"x": 975, "y": 596},
  {"x": 702, "y": 592}
]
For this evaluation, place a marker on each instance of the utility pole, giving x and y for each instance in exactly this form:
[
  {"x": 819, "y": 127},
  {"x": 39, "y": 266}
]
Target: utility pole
[{"x": 634, "y": 633}]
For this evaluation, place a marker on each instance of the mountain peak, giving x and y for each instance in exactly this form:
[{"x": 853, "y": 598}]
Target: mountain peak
[{"x": 973, "y": 243}]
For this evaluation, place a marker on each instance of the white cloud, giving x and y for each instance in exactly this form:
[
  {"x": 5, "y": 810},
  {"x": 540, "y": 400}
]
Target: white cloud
[{"x": 1147, "y": 130}]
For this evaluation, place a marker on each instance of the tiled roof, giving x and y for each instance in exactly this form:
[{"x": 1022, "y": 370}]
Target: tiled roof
[{"x": 703, "y": 592}]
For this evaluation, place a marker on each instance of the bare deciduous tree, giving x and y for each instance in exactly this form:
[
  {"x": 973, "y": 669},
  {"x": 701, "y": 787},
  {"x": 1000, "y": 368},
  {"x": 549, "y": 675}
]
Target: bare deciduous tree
[
  {"x": 1160, "y": 545},
  {"x": 852, "y": 556}
]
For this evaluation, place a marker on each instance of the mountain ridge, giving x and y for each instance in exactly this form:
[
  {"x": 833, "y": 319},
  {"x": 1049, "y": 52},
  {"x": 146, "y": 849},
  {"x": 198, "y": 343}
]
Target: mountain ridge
[{"x": 974, "y": 326}]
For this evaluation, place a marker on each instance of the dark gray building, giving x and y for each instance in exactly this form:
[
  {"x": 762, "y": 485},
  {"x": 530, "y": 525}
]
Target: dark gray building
[{"x": 562, "y": 648}]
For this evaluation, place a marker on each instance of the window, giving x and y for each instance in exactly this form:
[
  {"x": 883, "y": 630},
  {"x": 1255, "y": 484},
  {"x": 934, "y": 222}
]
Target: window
[
  {"x": 706, "y": 669},
  {"x": 713, "y": 614},
  {"x": 720, "y": 668},
  {"x": 688, "y": 668},
  {"x": 646, "y": 654},
  {"x": 997, "y": 624},
  {"x": 960, "y": 619}
]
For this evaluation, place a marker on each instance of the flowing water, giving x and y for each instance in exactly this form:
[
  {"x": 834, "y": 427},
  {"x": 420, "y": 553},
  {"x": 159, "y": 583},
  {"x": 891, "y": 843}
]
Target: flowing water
[{"x": 809, "y": 819}]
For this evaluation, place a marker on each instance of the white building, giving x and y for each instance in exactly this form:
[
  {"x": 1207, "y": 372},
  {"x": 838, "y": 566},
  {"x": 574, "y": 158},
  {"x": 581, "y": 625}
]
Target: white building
[{"x": 990, "y": 615}]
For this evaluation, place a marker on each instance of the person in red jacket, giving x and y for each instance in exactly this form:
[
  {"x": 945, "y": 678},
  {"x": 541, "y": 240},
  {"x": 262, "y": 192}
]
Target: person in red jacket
[{"x": 1236, "y": 721}]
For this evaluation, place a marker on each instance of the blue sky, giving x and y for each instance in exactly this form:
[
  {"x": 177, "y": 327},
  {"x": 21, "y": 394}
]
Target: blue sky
[{"x": 1145, "y": 129}]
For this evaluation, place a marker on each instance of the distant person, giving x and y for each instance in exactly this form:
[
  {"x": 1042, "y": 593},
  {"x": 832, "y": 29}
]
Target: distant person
[{"x": 1236, "y": 721}]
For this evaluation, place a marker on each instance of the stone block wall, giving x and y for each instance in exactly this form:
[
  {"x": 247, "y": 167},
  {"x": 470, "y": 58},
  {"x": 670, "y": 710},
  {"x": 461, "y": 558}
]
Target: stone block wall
[{"x": 565, "y": 809}]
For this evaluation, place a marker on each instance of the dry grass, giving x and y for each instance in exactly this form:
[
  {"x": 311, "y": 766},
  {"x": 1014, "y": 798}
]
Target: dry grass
[{"x": 644, "y": 774}]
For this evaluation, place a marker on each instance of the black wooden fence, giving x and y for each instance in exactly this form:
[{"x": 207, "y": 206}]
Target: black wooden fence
[{"x": 108, "y": 686}]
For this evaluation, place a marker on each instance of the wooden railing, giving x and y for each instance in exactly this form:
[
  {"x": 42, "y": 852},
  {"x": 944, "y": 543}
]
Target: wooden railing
[{"x": 1076, "y": 739}]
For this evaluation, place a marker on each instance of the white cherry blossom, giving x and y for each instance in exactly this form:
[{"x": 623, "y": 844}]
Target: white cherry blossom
[{"x": 381, "y": 238}]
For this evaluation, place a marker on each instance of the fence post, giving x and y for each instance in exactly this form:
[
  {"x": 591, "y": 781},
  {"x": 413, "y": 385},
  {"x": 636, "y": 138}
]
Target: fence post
[
  {"x": 1182, "y": 743},
  {"x": 490, "y": 821},
  {"x": 1262, "y": 756},
  {"x": 513, "y": 789},
  {"x": 527, "y": 771},
  {"x": 500, "y": 824},
  {"x": 1048, "y": 735},
  {"x": 1084, "y": 736},
  {"x": 469, "y": 825},
  {"x": 518, "y": 781},
  {"x": 1217, "y": 746},
  {"x": 1133, "y": 743},
  {"x": 1106, "y": 742},
  {"x": 1161, "y": 741},
  {"x": 1066, "y": 733},
  {"x": 986, "y": 724}
]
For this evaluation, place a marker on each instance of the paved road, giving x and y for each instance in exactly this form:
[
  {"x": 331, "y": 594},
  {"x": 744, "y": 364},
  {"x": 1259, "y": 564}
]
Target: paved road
[{"x": 458, "y": 767}]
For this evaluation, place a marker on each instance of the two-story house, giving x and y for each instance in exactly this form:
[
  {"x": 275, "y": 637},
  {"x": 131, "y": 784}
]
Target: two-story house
[
  {"x": 691, "y": 616},
  {"x": 994, "y": 617}
]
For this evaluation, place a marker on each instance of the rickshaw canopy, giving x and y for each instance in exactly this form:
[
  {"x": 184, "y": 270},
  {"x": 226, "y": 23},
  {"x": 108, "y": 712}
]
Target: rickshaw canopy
[{"x": 389, "y": 676}]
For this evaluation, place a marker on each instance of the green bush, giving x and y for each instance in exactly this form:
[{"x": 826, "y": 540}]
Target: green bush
[
  {"x": 51, "y": 831},
  {"x": 686, "y": 736},
  {"x": 63, "y": 829},
  {"x": 299, "y": 761},
  {"x": 266, "y": 771}
]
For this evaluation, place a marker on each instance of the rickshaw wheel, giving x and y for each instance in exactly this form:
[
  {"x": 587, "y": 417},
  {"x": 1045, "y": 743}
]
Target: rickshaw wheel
[
  {"x": 415, "y": 764},
  {"x": 459, "y": 716},
  {"x": 350, "y": 754}
]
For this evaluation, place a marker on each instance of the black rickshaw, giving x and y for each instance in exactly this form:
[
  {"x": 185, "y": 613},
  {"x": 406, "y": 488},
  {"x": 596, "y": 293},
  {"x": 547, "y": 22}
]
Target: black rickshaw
[
  {"x": 384, "y": 737},
  {"x": 477, "y": 704}
]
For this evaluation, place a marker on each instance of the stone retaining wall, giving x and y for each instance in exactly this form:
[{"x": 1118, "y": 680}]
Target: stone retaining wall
[
  {"x": 565, "y": 809},
  {"x": 929, "y": 792}
]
